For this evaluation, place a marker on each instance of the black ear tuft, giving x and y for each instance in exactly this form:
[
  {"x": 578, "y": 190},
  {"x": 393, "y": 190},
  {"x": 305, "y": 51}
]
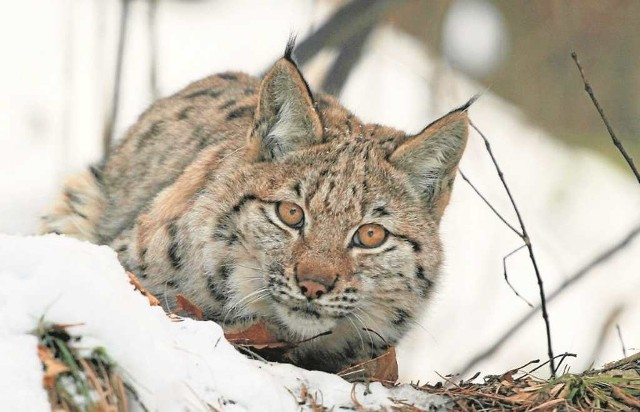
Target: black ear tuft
[
  {"x": 465, "y": 107},
  {"x": 431, "y": 157},
  {"x": 291, "y": 44},
  {"x": 468, "y": 104},
  {"x": 286, "y": 118}
]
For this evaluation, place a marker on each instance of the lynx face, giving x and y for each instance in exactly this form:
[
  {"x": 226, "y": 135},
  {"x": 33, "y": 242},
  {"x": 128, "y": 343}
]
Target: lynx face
[
  {"x": 260, "y": 203},
  {"x": 328, "y": 228},
  {"x": 332, "y": 236}
]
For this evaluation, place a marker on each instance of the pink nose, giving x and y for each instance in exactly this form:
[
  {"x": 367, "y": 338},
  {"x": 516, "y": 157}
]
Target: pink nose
[
  {"x": 312, "y": 289},
  {"x": 315, "y": 280}
]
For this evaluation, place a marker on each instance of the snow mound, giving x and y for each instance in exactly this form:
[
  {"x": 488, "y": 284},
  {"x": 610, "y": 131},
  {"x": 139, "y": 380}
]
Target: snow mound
[{"x": 172, "y": 365}]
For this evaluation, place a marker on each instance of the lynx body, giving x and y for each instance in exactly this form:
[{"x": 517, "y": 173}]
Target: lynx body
[{"x": 261, "y": 202}]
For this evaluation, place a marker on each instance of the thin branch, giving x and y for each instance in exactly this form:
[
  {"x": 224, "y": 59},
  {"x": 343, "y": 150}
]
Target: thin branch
[
  {"x": 562, "y": 355},
  {"x": 531, "y": 362},
  {"x": 349, "y": 20},
  {"x": 506, "y": 277},
  {"x": 504, "y": 259},
  {"x": 152, "y": 28},
  {"x": 107, "y": 136},
  {"x": 605, "y": 328},
  {"x": 527, "y": 241},
  {"x": 493, "y": 209},
  {"x": 624, "y": 348},
  {"x": 577, "y": 276},
  {"x": 347, "y": 58},
  {"x": 614, "y": 138}
]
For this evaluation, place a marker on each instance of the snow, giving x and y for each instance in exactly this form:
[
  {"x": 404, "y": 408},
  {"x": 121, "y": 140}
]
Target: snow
[
  {"x": 173, "y": 366},
  {"x": 574, "y": 203}
]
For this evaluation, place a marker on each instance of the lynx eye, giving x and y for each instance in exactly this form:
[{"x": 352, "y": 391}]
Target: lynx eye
[
  {"x": 369, "y": 236},
  {"x": 291, "y": 214}
]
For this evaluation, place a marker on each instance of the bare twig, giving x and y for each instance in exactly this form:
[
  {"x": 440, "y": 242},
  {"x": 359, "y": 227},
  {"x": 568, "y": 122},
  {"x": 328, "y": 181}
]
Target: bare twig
[
  {"x": 346, "y": 60},
  {"x": 506, "y": 277},
  {"x": 624, "y": 348},
  {"x": 107, "y": 136},
  {"x": 348, "y": 21},
  {"x": 605, "y": 328},
  {"x": 493, "y": 209},
  {"x": 531, "y": 362},
  {"x": 153, "y": 49},
  {"x": 504, "y": 259},
  {"x": 524, "y": 372},
  {"x": 577, "y": 276},
  {"x": 614, "y": 138},
  {"x": 562, "y": 356},
  {"x": 527, "y": 242}
]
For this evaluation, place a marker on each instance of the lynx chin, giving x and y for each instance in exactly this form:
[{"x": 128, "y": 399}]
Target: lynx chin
[{"x": 260, "y": 201}]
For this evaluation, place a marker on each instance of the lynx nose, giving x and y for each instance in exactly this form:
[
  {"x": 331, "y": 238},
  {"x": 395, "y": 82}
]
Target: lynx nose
[
  {"x": 315, "y": 282},
  {"x": 312, "y": 289}
]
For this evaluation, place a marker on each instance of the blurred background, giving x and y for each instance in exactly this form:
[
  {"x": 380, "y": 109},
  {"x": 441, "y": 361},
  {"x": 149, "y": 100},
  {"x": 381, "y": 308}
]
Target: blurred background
[
  {"x": 76, "y": 73},
  {"x": 528, "y": 63}
]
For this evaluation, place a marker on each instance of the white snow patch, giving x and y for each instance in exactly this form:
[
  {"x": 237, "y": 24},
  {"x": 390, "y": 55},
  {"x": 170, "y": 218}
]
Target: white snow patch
[
  {"x": 573, "y": 202},
  {"x": 172, "y": 365}
]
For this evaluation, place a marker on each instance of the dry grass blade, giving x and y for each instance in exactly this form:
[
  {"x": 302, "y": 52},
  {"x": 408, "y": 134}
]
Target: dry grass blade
[
  {"x": 591, "y": 390},
  {"x": 79, "y": 382},
  {"x": 629, "y": 360}
]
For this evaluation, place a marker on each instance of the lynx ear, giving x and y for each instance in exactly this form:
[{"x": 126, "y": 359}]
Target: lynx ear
[
  {"x": 431, "y": 157},
  {"x": 286, "y": 119}
]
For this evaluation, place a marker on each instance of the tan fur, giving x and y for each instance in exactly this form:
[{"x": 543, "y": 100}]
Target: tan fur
[
  {"x": 173, "y": 201},
  {"x": 76, "y": 211},
  {"x": 189, "y": 201}
]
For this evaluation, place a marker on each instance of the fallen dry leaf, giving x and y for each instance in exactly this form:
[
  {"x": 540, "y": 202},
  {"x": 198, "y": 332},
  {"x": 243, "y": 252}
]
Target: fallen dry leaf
[
  {"x": 185, "y": 305},
  {"x": 521, "y": 397},
  {"x": 629, "y": 400},
  {"x": 383, "y": 369},
  {"x": 256, "y": 336},
  {"x": 153, "y": 301},
  {"x": 65, "y": 326},
  {"x": 52, "y": 367},
  {"x": 547, "y": 406}
]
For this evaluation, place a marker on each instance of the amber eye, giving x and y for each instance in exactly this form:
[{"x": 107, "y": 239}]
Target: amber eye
[
  {"x": 369, "y": 236},
  {"x": 290, "y": 214}
]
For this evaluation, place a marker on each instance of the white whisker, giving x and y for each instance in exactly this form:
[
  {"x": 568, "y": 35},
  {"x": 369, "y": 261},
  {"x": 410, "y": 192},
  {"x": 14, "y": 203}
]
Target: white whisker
[
  {"x": 241, "y": 309},
  {"x": 364, "y": 327},
  {"x": 235, "y": 305},
  {"x": 254, "y": 300},
  {"x": 238, "y": 265},
  {"x": 357, "y": 331}
]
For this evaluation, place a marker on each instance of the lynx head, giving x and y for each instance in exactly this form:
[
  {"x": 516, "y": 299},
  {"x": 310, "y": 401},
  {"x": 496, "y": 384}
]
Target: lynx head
[{"x": 330, "y": 224}]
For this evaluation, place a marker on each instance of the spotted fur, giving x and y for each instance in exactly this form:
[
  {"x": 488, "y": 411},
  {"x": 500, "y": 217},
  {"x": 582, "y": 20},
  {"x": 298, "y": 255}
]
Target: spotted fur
[{"x": 188, "y": 200}]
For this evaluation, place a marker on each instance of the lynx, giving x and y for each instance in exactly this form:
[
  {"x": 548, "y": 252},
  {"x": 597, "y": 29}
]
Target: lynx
[{"x": 259, "y": 201}]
